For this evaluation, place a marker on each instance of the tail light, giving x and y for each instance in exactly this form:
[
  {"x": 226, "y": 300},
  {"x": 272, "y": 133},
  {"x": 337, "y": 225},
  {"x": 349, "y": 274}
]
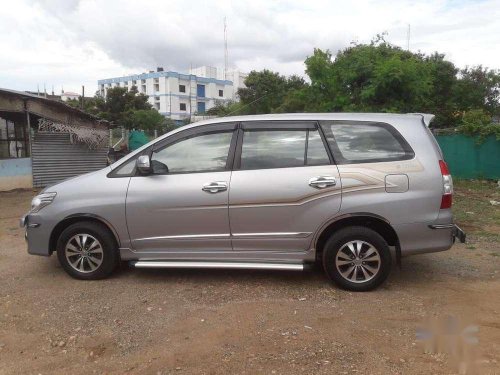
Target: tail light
[{"x": 446, "y": 199}]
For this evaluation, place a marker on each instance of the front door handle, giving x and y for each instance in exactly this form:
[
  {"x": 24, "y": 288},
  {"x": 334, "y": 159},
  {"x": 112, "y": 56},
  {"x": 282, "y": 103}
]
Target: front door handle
[
  {"x": 214, "y": 187},
  {"x": 322, "y": 182}
]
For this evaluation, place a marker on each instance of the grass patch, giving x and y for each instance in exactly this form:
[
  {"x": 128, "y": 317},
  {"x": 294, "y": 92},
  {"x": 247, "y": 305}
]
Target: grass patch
[{"x": 472, "y": 208}]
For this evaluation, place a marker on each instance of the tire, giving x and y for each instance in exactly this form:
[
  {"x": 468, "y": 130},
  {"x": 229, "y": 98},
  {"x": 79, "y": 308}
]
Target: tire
[
  {"x": 364, "y": 271},
  {"x": 99, "y": 257}
]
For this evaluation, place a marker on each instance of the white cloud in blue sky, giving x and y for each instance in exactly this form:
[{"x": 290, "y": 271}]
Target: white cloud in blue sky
[{"x": 77, "y": 42}]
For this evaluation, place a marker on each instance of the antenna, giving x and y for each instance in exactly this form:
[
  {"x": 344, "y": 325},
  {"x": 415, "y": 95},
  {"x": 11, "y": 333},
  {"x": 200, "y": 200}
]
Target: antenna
[
  {"x": 408, "y": 38},
  {"x": 225, "y": 49}
]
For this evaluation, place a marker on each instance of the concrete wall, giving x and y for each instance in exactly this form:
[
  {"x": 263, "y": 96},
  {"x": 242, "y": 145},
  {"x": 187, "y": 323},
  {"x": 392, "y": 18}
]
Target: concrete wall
[{"x": 15, "y": 174}]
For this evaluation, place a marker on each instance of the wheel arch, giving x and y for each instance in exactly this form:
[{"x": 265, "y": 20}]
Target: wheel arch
[
  {"x": 74, "y": 218},
  {"x": 375, "y": 222}
]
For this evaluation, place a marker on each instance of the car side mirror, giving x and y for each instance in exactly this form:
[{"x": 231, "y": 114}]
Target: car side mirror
[{"x": 143, "y": 164}]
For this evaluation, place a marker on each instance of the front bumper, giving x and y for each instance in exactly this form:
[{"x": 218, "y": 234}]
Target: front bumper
[{"x": 36, "y": 236}]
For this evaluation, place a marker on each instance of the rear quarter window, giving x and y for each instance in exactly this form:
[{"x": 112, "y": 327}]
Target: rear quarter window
[{"x": 365, "y": 142}]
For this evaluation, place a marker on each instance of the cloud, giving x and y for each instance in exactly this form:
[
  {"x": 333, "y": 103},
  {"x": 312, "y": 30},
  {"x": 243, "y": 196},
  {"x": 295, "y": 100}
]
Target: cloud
[{"x": 75, "y": 42}]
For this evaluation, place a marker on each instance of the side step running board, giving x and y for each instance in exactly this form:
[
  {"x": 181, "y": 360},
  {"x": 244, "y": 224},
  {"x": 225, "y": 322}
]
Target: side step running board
[{"x": 224, "y": 265}]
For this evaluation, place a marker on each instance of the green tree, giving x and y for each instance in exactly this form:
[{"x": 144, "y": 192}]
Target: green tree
[
  {"x": 221, "y": 109},
  {"x": 441, "y": 101},
  {"x": 478, "y": 122},
  {"x": 93, "y": 105},
  {"x": 380, "y": 77},
  {"x": 146, "y": 119},
  {"x": 478, "y": 87},
  {"x": 120, "y": 105},
  {"x": 266, "y": 90},
  {"x": 127, "y": 108},
  {"x": 374, "y": 77}
]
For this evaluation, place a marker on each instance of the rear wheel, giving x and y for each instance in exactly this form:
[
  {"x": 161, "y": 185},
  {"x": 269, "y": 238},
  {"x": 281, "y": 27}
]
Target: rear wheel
[
  {"x": 357, "y": 258},
  {"x": 87, "y": 251}
]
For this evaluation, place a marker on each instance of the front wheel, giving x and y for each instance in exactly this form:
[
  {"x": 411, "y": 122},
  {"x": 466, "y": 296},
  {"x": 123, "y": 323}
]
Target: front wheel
[
  {"x": 357, "y": 258},
  {"x": 87, "y": 251}
]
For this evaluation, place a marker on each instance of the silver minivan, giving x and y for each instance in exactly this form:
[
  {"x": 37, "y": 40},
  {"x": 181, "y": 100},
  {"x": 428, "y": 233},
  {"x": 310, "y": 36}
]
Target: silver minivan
[{"x": 352, "y": 192}]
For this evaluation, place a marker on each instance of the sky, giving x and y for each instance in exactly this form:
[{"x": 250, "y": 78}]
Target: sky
[{"x": 70, "y": 43}]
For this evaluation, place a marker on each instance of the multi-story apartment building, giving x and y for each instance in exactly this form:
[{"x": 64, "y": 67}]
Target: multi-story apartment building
[{"x": 179, "y": 96}]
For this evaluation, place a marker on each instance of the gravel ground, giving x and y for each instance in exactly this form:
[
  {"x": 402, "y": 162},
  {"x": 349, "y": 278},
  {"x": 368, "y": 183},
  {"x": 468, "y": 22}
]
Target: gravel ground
[{"x": 211, "y": 322}]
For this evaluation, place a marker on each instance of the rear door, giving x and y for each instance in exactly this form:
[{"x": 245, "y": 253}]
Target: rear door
[{"x": 283, "y": 187}]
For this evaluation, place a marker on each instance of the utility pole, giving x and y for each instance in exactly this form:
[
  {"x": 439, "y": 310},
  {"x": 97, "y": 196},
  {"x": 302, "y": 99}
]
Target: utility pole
[
  {"x": 83, "y": 96},
  {"x": 225, "y": 49},
  {"x": 408, "y": 39}
]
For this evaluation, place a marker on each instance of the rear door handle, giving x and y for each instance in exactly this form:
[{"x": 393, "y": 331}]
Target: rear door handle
[
  {"x": 322, "y": 182},
  {"x": 214, "y": 187}
]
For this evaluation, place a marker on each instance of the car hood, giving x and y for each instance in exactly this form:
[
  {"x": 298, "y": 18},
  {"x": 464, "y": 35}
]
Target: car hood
[{"x": 76, "y": 181}]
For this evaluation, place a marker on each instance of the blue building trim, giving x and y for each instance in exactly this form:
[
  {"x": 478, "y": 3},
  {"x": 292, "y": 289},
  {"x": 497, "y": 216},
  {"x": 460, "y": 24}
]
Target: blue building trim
[
  {"x": 187, "y": 77},
  {"x": 184, "y": 96}
]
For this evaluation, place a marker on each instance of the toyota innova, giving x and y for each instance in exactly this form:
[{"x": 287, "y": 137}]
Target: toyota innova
[{"x": 352, "y": 192}]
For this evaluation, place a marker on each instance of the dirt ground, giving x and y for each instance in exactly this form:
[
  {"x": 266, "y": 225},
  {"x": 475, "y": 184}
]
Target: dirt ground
[{"x": 213, "y": 322}]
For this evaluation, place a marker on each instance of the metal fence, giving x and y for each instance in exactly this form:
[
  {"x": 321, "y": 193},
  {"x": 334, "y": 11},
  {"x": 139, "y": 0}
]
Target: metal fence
[{"x": 468, "y": 158}]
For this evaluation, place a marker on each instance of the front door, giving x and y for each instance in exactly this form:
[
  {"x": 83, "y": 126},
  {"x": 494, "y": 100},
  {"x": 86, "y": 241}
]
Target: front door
[
  {"x": 183, "y": 205},
  {"x": 283, "y": 188}
]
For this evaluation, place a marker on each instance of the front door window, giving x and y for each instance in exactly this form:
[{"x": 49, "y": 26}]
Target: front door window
[{"x": 204, "y": 153}]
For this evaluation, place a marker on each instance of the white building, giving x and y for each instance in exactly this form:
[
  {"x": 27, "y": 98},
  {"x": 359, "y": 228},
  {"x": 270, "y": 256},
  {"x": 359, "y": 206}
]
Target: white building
[
  {"x": 179, "y": 96},
  {"x": 65, "y": 96}
]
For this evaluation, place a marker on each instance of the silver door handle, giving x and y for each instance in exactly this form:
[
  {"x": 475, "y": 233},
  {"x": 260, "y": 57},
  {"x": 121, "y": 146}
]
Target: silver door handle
[
  {"x": 214, "y": 187},
  {"x": 322, "y": 182}
]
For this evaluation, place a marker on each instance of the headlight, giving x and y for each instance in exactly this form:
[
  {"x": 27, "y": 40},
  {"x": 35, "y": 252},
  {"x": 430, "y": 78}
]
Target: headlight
[{"x": 42, "y": 200}]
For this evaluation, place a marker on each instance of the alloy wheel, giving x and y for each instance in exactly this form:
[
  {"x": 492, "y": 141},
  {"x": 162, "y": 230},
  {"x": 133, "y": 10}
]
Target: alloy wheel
[
  {"x": 358, "y": 261},
  {"x": 84, "y": 253}
]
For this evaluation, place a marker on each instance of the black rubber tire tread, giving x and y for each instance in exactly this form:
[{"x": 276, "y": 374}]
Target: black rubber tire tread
[
  {"x": 344, "y": 235},
  {"x": 111, "y": 257}
]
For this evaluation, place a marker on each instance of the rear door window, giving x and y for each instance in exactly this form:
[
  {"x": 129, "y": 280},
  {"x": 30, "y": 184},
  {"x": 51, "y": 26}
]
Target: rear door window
[
  {"x": 365, "y": 142},
  {"x": 273, "y": 149},
  {"x": 282, "y": 145}
]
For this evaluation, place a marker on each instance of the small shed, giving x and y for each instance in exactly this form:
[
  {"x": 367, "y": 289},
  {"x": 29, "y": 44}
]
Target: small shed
[{"x": 44, "y": 141}]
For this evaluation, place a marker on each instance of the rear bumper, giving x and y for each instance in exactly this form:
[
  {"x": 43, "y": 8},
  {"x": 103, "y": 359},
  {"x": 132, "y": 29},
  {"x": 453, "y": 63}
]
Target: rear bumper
[
  {"x": 457, "y": 232},
  {"x": 421, "y": 238}
]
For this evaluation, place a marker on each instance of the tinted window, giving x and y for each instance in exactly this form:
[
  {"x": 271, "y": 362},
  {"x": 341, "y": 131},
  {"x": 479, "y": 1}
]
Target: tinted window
[
  {"x": 273, "y": 149},
  {"x": 203, "y": 153},
  {"x": 370, "y": 142},
  {"x": 316, "y": 152}
]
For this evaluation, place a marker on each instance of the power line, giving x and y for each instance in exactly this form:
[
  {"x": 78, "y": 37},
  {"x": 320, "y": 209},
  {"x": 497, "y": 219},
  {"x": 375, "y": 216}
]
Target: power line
[{"x": 246, "y": 105}]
